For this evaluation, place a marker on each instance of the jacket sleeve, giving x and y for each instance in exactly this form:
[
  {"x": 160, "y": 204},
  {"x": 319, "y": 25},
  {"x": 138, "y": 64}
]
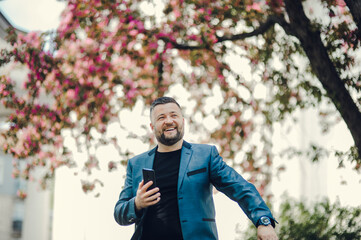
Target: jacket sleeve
[
  {"x": 124, "y": 211},
  {"x": 232, "y": 184}
]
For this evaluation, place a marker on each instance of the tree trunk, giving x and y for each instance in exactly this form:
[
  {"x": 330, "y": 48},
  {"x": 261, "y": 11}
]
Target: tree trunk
[
  {"x": 355, "y": 9},
  {"x": 324, "y": 69}
]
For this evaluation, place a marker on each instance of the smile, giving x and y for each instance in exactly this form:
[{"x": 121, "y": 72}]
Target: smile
[{"x": 169, "y": 129}]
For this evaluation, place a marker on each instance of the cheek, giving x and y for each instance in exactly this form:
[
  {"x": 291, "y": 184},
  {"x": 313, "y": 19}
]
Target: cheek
[
  {"x": 157, "y": 128},
  {"x": 180, "y": 123}
]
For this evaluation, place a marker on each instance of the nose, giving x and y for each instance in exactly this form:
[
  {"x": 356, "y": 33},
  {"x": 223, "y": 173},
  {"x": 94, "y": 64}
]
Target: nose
[{"x": 168, "y": 120}]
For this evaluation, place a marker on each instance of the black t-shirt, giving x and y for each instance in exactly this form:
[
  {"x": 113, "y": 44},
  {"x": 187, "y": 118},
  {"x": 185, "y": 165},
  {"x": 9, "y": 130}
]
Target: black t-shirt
[{"x": 162, "y": 220}]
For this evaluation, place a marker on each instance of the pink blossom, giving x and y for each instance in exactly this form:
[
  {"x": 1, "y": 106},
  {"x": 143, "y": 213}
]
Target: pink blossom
[
  {"x": 254, "y": 6},
  {"x": 117, "y": 47},
  {"x": 66, "y": 19},
  {"x": 21, "y": 194},
  {"x": 71, "y": 94},
  {"x": 168, "y": 45},
  {"x": 156, "y": 56},
  {"x": 341, "y": 5},
  {"x": 131, "y": 94},
  {"x": 88, "y": 42},
  {"x": 2, "y": 87},
  {"x": 193, "y": 37},
  {"x": 162, "y": 34},
  {"x": 140, "y": 26},
  {"x": 112, "y": 165},
  {"x": 232, "y": 120},
  {"x": 92, "y": 69},
  {"x": 129, "y": 82},
  {"x": 97, "y": 82},
  {"x": 177, "y": 13},
  {"x": 100, "y": 95},
  {"x": 5, "y": 93},
  {"x": 130, "y": 45},
  {"x": 133, "y": 32},
  {"x": 213, "y": 38},
  {"x": 153, "y": 45}
]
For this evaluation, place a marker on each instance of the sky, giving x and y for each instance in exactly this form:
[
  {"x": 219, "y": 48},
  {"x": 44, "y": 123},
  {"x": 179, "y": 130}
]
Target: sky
[{"x": 32, "y": 15}]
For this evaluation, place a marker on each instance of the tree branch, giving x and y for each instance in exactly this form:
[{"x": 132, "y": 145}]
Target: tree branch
[
  {"x": 160, "y": 71},
  {"x": 324, "y": 69},
  {"x": 271, "y": 20},
  {"x": 355, "y": 9},
  {"x": 188, "y": 47}
]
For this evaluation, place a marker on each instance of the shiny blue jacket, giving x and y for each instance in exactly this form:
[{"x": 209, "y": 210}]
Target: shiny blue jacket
[{"x": 201, "y": 166}]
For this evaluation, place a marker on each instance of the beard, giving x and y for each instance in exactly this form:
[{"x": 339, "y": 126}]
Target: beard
[{"x": 169, "y": 141}]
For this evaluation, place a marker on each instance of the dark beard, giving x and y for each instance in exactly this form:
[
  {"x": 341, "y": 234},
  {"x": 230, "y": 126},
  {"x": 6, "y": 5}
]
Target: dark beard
[{"x": 170, "y": 141}]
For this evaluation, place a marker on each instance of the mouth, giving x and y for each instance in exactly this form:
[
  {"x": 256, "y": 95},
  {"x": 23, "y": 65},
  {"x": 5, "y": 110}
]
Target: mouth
[{"x": 169, "y": 129}]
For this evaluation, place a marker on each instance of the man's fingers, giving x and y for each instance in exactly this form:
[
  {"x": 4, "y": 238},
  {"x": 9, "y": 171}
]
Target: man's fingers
[
  {"x": 147, "y": 185},
  {"x": 146, "y": 198},
  {"x": 154, "y": 201},
  {"x": 152, "y": 197},
  {"x": 151, "y": 192}
]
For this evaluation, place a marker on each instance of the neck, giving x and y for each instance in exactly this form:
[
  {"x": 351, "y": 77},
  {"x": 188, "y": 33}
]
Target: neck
[{"x": 164, "y": 148}]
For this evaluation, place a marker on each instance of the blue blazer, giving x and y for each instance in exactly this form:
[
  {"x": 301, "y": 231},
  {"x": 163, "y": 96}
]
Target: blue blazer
[{"x": 201, "y": 166}]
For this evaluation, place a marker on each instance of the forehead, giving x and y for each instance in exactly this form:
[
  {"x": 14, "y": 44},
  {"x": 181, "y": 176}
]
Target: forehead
[{"x": 166, "y": 108}]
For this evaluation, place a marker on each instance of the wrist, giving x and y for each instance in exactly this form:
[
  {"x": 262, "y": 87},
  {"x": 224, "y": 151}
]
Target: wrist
[
  {"x": 265, "y": 221},
  {"x": 138, "y": 211},
  {"x": 137, "y": 205}
]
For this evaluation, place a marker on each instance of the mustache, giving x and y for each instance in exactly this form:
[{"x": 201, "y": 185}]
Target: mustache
[{"x": 168, "y": 127}]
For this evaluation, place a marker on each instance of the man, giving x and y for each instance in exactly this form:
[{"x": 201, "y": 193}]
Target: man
[{"x": 181, "y": 206}]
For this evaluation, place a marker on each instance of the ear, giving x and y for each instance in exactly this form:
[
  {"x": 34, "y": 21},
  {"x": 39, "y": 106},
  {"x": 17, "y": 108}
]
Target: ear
[{"x": 151, "y": 126}]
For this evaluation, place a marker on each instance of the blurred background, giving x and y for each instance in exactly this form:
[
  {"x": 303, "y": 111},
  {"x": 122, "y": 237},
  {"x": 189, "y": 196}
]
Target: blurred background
[{"x": 65, "y": 211}]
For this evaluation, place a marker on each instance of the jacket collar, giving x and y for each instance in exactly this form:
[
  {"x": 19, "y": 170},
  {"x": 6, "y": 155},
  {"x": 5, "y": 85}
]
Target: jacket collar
[{"x": 185, "y": 144}]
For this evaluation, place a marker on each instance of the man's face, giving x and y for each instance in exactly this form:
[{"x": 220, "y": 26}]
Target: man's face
[{"x": 167, "y": 123}]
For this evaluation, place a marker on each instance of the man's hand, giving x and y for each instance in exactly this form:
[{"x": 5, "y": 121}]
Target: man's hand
[
  {"x": 146, "y": 198},
  {"x": 266, "y": 233}
]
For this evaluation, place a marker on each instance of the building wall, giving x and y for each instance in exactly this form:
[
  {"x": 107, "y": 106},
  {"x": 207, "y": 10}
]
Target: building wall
[
  {"x": 20, "y": 219},
  {"x": 6, "y": 212},
  {"x": 8, "y": 199},
  {"x": 11, "y": 210},
  {"x": 37, "y": 214}
]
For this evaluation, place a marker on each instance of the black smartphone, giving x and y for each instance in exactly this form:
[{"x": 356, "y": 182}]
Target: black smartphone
[{"x": 149, "y": 175}]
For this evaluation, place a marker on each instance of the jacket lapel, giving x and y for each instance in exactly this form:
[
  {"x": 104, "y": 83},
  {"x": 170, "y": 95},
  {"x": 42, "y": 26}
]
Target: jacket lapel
[
  {"x": 184, "y": 161},
  {"x": 148, "y": 162}
]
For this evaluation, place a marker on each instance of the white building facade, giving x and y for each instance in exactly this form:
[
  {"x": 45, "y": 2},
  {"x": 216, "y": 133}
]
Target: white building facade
[{"x": 20, "y": 219}]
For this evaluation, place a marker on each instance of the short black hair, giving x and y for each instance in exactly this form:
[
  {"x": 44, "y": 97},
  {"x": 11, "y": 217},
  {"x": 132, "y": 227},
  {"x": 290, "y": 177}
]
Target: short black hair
[{"x": 162, "y": 100}]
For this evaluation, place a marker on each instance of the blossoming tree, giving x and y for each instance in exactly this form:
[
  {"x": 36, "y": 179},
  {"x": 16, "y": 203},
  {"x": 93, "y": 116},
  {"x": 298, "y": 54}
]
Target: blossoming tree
[{"x": 106, "y": 55}]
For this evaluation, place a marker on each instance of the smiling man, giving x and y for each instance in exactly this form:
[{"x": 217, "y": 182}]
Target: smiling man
[
  {"x": 181, "y": 206},
  {"x": 167, "y": 123}
]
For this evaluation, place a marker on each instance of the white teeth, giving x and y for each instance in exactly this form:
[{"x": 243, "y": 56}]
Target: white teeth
[{"x": 169, "y": 129}]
